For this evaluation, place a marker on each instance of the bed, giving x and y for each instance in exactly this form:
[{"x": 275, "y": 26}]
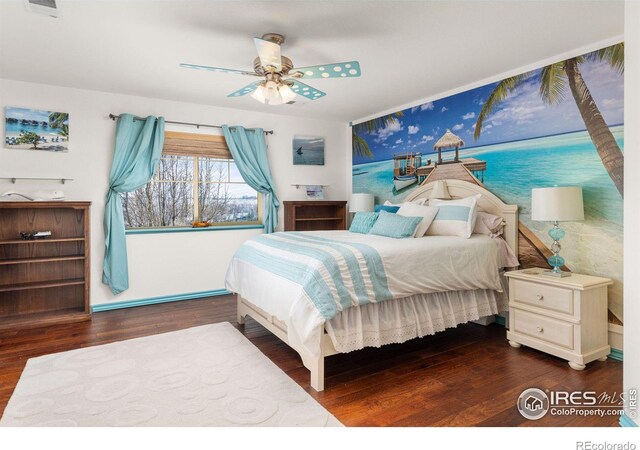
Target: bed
[{"x": 367, "y": 291}]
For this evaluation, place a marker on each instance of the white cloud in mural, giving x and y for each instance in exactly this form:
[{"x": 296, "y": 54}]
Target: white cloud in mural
[
  {"x": 427, "y": 138},
  {"x": 613, "y": 103},
  {"x": 444, "y": 108},
  {"x": 413, "y": 129},
  {"x": 424, "y": 107},
  {"x": 399, "y": 141},
  {"x": 383, "y": 133},
  {"x": 458, "y": 126},
  {"x": 469, "y": 115}
]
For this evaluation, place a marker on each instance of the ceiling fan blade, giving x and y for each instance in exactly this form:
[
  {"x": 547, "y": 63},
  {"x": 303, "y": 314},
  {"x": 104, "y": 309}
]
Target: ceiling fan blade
[
  {"x": 269, "y": 53},
  {"x": 248, "y": 89},
  {"x": 305, "y": 90},
  {"x": 217, "y": 69},
  {"x": 335, "y": 70}
]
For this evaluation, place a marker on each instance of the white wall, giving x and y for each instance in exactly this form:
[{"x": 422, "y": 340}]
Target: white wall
[
  {"x": 171, "y": 263},
  {"x": 632, "y": 199}
]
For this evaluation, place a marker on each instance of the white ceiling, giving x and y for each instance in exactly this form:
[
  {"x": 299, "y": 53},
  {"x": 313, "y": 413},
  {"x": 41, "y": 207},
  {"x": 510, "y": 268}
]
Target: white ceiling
[{"x": 407, "y": 50}]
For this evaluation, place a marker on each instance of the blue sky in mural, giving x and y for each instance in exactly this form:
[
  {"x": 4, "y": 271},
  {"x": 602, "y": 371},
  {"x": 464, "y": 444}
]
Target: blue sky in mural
[{"x": 522, "y": 115}]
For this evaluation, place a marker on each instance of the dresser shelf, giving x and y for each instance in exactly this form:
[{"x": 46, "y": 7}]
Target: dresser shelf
[
  {"x": 41, "y": 284},
  {"x": 41, "y": 241},
  {"x": 46, "y": 259},
  {"x": 312, "y": 215},
  {"x": 44, "y": 284}
]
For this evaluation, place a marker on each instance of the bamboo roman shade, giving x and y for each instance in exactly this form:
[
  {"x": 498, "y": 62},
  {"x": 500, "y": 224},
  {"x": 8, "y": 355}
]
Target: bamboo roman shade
[{"x": 192, "y": 144}]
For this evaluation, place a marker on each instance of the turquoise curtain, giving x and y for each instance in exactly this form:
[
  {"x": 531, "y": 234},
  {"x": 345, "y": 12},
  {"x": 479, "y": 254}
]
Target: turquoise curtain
[
  {"x": 249, "y": 152},
  {"x": 135, "y": 161}
]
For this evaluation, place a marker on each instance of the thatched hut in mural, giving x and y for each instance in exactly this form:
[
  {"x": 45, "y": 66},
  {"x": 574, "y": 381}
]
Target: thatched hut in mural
[{"x": 448, "y": 140}]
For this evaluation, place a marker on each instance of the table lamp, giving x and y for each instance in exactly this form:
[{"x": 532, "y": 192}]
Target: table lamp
[
  {"x": 557, "y": 204},
  {"x": 361, "y": 202}
]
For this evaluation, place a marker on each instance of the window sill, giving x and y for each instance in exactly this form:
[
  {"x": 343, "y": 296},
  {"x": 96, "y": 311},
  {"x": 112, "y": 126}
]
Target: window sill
[{"x": 192, "y": 230}]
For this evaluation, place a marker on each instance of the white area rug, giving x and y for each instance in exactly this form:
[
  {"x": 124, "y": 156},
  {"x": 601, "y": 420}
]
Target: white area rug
[{"x": 204, "y": 376}]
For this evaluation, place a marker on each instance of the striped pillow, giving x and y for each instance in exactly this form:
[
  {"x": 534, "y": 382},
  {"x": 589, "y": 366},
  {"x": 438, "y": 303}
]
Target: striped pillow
[
  {"x": 395, "y": 226},
  {"x": 454, "y": 218},
  {"x": 363, "y": 221}
]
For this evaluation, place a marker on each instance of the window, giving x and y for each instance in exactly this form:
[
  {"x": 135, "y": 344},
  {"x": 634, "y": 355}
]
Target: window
[{"x": 196, "y": 181}]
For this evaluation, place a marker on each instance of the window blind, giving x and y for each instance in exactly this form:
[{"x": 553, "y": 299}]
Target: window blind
[{"x": 193, "y": 144}]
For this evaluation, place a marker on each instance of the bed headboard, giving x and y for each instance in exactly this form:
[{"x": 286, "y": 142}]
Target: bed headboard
[{"x": 488, "y": 202}]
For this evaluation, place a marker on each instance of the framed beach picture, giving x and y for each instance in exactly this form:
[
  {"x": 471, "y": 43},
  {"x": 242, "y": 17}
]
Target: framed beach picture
[
  {"x": 314, "y": 192},
  {"x": 33, "y": 129},
  {"x": 308, "y": 151}
]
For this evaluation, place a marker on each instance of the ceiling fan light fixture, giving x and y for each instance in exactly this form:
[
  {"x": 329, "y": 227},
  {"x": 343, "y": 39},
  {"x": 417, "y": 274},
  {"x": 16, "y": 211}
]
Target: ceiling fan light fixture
[
  {"x": 258, "y": 95},
  {"x": 286, "y": 93},
  {"x": 271, "y": 91}
]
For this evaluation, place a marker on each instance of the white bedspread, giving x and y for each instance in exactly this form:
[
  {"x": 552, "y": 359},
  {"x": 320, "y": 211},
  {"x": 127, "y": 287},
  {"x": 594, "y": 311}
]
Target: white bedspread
[{"x": 413, "y": 266}]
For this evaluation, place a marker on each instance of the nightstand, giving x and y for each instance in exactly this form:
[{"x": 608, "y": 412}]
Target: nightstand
[{"x": 565, "y": 317}]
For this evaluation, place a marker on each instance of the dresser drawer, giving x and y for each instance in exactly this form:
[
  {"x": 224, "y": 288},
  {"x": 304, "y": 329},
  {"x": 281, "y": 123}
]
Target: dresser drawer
[
  {"x": 543, "y": 296},
  {"x": 543, "y": 328}
]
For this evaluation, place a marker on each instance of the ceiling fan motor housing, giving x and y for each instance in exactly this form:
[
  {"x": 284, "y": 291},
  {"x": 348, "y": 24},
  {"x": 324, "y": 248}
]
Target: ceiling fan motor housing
[{"x": 286, "y": 63}]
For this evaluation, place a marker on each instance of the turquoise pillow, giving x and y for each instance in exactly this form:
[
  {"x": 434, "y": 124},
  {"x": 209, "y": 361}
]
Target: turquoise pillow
[
  {"x": 394, "y": 225},
  {"x": 387, "y": 208},
  {"x": 363, "y": 221}
]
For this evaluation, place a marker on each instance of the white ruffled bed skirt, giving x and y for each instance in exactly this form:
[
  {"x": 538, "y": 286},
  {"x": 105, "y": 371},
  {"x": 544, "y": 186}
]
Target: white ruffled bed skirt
[{"x": 396, "y": 321}]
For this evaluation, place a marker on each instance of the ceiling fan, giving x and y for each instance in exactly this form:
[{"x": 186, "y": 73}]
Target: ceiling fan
[{"x": 280, "y": 83}]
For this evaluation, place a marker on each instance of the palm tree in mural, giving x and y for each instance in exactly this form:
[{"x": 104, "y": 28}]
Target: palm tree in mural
[
  {"x": 553, "y": 82},
  {"x": 359, "y": 144},
  {"x": 57, "y": 119}
]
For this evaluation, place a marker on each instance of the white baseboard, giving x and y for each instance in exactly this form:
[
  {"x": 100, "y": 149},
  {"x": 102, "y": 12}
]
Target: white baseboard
[{"x": 615, "y": 336}]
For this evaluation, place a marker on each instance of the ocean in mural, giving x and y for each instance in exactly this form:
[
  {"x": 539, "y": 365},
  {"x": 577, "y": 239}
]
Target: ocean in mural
[{"x": 525, "y": 143}]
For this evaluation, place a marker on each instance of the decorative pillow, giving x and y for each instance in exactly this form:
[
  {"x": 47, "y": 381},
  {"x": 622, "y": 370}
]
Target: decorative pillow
[
  {"x": 488, "y": 224},
  {"x": 414, "y": 210},
  {"x": 454, "y": 218},
  {"x": 419, "y": 201},
  {"x": 395, "y": 226},
  {"x": 387, "y": 208},
  {"x": 363, "y": 221}
]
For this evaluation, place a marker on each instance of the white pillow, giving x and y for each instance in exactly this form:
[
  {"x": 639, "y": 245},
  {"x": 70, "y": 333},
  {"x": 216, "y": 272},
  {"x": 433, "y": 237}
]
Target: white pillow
[
  {"x": 489, "y": 224},
  {"x": 428, "y": 213},
  {"x": 455, "y": 217},
  {"x": 418, "y": 201}
]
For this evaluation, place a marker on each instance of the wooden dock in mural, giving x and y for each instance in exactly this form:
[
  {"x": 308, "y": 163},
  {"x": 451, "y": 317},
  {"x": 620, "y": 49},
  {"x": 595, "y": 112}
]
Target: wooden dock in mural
[
  {"x": 532, "y": 252},
  {"x": 453, "y": 170}
]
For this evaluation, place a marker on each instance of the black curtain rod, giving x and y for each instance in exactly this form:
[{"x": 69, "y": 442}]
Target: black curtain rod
[{"x": 197, "y": 125}]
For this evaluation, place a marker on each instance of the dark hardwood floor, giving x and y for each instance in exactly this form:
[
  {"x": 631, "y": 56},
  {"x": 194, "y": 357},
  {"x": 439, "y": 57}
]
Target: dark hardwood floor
[{"x": 468, "y": 376}]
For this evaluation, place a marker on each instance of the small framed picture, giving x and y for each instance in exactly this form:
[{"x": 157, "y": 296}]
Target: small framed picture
[
  {"x": 315, "y": 192},
  {"x": 33, "y": 129},
  {"x": 308, "y": 151}
]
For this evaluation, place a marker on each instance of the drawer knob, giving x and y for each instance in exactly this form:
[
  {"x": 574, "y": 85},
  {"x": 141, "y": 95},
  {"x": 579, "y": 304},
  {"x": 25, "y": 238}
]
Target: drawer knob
[
  {"x": 540, "y": 297},
  {"x": 539, "y": 329}
]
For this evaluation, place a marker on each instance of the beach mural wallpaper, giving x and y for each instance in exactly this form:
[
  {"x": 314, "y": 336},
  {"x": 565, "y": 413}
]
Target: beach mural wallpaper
[
  {"x": 32, "y": 129},
  {"x": 561, "y": 124}
]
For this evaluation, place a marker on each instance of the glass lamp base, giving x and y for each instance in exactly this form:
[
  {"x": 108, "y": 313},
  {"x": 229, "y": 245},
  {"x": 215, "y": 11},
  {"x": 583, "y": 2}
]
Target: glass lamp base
[{"x": 559, "y": 273}]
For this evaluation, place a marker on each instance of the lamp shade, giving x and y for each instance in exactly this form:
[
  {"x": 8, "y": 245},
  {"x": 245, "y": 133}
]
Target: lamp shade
[
  {"x": 361, "y": 203},
  {"x": 557, "y": 204}
]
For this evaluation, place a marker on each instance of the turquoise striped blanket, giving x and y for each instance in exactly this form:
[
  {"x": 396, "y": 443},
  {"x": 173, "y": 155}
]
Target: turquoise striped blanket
[{"x": 335, "y": 275}]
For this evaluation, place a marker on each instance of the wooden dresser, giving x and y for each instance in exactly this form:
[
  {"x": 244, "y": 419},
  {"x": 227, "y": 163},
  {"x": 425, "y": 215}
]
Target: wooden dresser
[
  {"x": 565, "y": 317},
  {"x": 312, "y": 215},
  {"x": 44, "y": 281}
]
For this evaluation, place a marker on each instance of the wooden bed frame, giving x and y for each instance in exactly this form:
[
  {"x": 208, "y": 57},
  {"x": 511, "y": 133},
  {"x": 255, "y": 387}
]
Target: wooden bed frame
[{"x": 488, "y": 202}]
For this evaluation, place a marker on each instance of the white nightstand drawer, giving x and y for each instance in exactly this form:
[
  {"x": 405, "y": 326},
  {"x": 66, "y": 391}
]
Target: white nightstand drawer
[
  {"x": 544, "y": 328},
  {"x": 543, "y": 296}
]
